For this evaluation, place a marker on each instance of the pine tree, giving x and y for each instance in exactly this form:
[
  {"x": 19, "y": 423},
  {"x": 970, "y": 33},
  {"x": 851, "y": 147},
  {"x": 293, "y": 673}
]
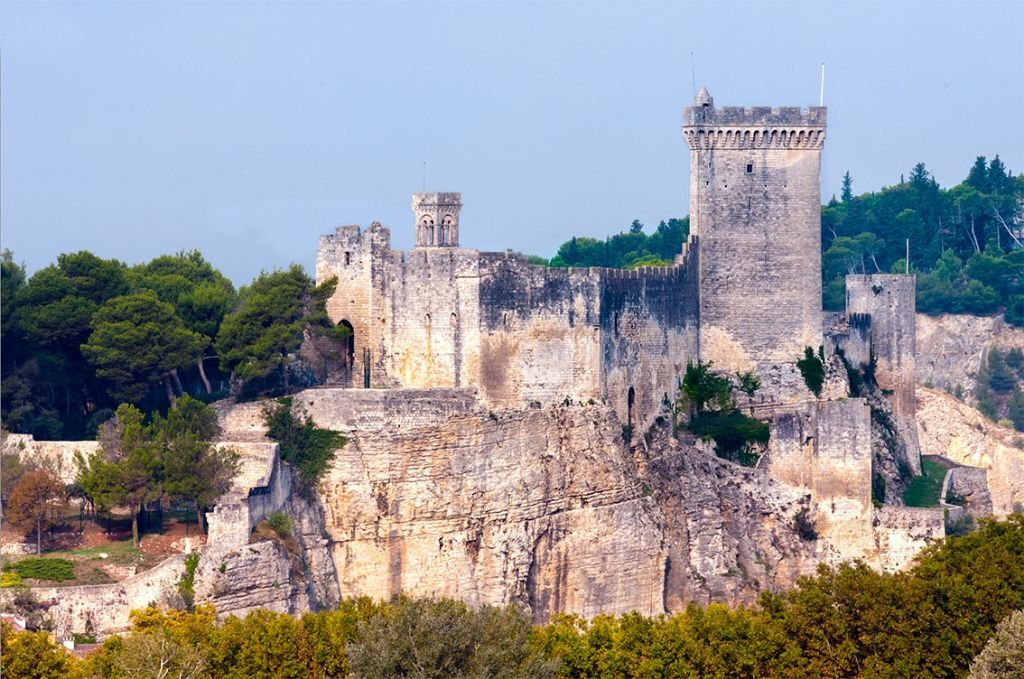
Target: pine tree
[
  {"x": 978, "y": 176},
  {"x": 847, "y": 192}
]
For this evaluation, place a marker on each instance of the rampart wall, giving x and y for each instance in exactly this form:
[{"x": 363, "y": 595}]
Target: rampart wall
[
  {"x": 58, "y": 455},
  {"x": 889, "y": 299},
  {"x": 262, "y": 486},
  {"x": 450, "y": 317},
  {"x": 826, "y": 448}
]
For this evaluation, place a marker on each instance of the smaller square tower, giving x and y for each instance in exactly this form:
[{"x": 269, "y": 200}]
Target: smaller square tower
[{"x": 437, "y": 219}]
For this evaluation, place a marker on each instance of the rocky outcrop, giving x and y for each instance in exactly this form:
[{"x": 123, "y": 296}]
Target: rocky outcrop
[
  {"x": 950, "y": 348},
  {"x": 254, "y": 576},
  {"x": 960, "y": 433},
  {"x": 552, "y": 509}
]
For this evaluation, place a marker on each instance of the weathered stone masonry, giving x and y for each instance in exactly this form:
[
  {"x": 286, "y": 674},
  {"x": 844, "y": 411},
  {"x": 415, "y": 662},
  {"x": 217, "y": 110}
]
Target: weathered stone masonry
[{"x": 453, "y": 317}]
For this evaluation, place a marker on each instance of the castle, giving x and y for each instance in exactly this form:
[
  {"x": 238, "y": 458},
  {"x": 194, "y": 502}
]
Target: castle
[
  {"x": 483, "y": 398},
  {"x": 744, "y": 294}
]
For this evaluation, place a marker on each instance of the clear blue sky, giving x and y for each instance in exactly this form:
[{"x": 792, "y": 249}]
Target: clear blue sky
[{"x": 248, "y": 129}]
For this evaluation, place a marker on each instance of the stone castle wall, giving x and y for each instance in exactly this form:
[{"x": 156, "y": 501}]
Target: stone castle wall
[
  {"x": 827, "y": 448},
  {"x": 60, "y": 456},
  {"x": 451, "y": 317},
  {"x": 754, "y": 187},
  {"x": 889, "y": 300}
]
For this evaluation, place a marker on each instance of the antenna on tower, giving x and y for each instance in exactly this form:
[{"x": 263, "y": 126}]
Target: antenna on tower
[
  {"x": 693, "y": 75},
  {"x": 821, "y": 93}
]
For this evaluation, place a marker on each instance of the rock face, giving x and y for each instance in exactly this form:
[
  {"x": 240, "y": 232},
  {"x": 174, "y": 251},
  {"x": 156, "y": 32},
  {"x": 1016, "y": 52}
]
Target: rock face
[
  {"x": 957, "y": 431},
  {"x": 550, "y": 508},
  {"x": 950, "y": 347}
]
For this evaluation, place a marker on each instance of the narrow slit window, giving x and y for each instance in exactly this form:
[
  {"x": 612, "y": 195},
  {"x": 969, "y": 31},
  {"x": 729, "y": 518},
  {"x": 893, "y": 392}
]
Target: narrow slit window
[
  {"x": 750, "y": 168},
  {"x": 348, "y": 258}
]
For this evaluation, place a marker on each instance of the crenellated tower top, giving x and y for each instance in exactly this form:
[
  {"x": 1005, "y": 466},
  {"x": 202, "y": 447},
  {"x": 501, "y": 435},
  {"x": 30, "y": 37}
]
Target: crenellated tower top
[
  {"x": 437, "y": 219},
  {"x": 736, "y": 127}
]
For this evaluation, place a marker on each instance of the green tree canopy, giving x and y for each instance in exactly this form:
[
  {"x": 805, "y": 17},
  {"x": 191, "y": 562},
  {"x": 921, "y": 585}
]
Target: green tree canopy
[
  {"x": 138, "y": 340},
  {"x": 268, "y": 325}
]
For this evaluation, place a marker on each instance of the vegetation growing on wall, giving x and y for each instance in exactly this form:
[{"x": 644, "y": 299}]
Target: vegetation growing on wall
[
  {"x": 931, "y": 621},
  {"x": 709, "y": 401},
  {"x": 302, "y": 444},
  {"x": 812, "y": 368}
]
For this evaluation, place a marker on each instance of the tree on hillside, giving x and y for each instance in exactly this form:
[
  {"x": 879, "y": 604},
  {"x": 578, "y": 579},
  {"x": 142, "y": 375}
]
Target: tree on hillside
[
  {"x": 49, "y": 390},
  {"x": 128, "y": 469},
  {"x": 200, "y": 294},
  {"x": 39, "y": 501},
  {"x": 847, "y": 192},
  {"x": 1003, "y": 655},
  {"x": 268, "y": 325},
  {"x": 195, "y": 469},
  {"x": 138, "y": 340}
]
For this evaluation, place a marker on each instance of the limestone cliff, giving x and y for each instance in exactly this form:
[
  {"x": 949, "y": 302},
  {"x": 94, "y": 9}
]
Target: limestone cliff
[
  {"x": 950, "y": 347},
  {"x": 550, "y": 508},
  {"x": 959, "y": 432}
]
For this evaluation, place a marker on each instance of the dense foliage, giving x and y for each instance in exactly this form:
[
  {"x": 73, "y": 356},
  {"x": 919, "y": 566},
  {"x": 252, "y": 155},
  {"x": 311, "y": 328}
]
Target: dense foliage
[
  {"x": 301, "y": 443},
  {"x": 629, "y": 249},
  {"x": 268, "y": 326},
  {"x": 965, "y": 242},
  {"x": 83, "y": 335},
  {"x": 709, "y": 400},
  {"x": 850, "y": 621}
]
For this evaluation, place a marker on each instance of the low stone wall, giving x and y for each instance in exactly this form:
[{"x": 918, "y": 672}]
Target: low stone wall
[
  {"x": 104, "y": 609},
  {"x": 348, "y": 410},
  {"x": 260, "y": 489},
  {"x": 369, "y": 410},
  {"x": 902, "y": 532},
  {"x": 59, "y": 455}
]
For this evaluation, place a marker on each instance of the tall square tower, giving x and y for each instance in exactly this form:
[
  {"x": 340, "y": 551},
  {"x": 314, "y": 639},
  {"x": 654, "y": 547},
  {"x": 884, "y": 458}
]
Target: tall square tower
[{"x": 755, "y": 210}]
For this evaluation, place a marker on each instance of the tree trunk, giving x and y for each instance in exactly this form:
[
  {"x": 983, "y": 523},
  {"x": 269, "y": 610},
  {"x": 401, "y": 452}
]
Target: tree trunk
[
  {"x": 135, "y": 528},
  {"x": 170, "y": 391},
  {"x": 39, "y": 537},
  {"x": 284, "y": 376},
  {"x": 202, "y": 376},
  {"x": 177, "y": 382}
]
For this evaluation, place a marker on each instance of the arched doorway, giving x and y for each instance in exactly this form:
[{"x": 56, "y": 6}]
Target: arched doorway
[{"x": 348, "y": 352}]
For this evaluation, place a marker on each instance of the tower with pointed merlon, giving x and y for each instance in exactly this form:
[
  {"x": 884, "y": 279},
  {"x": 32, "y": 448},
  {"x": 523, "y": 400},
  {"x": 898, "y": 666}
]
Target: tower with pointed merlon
[{"x": 755, "y": 209}]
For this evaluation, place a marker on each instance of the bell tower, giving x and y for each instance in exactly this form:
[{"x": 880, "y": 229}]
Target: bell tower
[{"x": 437, "y": 219}]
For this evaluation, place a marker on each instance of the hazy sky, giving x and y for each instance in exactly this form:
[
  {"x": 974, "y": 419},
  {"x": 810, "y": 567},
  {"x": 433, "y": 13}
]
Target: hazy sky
[{"x": 247, "y": 129}]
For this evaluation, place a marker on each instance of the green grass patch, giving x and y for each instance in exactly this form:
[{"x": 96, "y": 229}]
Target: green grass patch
[
  {"x": 924, "y": 490},
  {"x": 120, "y": 552},
  {"x": 10, "y": 579},
  {"x": 43, "y": 569}
]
